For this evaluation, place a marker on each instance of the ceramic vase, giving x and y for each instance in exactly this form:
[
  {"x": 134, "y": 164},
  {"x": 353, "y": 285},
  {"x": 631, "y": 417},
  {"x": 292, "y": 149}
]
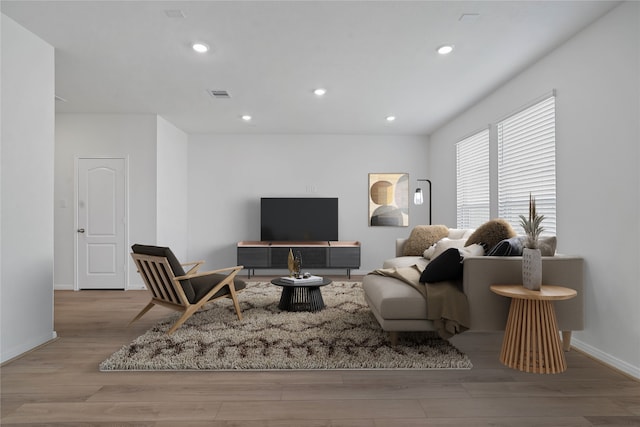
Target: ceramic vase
[{"x": 532, "y": 269}]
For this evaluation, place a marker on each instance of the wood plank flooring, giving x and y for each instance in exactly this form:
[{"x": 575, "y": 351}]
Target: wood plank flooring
[{"x": 59, "y": 385}]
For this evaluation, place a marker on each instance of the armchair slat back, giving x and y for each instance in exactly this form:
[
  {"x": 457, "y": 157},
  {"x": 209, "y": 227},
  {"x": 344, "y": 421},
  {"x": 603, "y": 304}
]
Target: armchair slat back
[{"x": 159, "y": 279}]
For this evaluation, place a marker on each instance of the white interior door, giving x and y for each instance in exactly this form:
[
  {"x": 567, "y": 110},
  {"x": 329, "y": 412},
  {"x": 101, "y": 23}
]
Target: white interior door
[{"x": 101, "y": 232}]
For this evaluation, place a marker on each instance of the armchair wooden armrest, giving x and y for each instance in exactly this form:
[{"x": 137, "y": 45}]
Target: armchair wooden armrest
[
  {"x": 194, "y": 269},
  {"x": 189, "y": 275}
]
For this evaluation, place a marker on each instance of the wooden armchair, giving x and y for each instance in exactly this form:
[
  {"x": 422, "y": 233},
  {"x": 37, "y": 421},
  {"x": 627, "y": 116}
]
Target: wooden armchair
[{"x": 171, "y": 287}]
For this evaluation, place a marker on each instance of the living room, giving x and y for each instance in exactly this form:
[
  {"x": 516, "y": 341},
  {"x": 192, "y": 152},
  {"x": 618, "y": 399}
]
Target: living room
[{"x": 219, "y": 178}]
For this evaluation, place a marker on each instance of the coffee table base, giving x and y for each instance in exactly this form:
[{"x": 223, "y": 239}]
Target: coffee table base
[{"x": 307, "y": 298}]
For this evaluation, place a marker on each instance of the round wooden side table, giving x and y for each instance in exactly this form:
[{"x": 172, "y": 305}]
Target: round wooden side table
[{"x": 531, "y": 338}]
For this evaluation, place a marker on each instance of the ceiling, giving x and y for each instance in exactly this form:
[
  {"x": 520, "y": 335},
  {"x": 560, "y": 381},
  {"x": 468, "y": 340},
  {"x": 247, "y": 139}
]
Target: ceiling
[{"x": 375, "y": 58}]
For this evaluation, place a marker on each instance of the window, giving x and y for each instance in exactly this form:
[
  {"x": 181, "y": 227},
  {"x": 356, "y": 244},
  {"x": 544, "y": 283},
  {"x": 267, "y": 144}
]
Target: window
[
  {"x": 473, "y": 204},
  {"x": 527, "y": 164}
]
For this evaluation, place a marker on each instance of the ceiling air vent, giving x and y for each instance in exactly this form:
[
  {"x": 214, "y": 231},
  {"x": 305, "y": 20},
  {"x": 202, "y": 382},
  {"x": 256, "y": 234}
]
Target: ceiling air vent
[
  {"x": 219, "y": 93},
  {"x": 174, "y": 13}
]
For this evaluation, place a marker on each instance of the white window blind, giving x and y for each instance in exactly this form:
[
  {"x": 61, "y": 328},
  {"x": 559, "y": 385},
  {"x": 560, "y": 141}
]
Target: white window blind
[
  {"x": 472, "y": 153},
  {"x": 527, "y": 164}
]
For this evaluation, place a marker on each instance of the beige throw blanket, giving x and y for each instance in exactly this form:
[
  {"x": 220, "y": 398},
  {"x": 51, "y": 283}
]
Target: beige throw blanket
[{"x": 447, "y": 306}]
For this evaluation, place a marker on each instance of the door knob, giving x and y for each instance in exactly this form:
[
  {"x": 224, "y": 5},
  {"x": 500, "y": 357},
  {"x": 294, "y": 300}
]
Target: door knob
[{"x": 80, "y": 230}]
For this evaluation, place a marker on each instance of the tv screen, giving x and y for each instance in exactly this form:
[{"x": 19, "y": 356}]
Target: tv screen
[{"x": 298, "y": 219}]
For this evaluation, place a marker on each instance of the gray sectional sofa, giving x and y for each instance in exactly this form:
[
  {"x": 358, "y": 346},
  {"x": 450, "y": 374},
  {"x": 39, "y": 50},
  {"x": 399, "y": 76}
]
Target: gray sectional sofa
[{"x": 399, "y": 307}]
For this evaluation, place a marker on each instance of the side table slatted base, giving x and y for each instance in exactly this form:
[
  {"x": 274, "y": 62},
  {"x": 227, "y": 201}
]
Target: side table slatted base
[
  {"x": 531, "y": 342},
  {"x": 301, "y": 299}
]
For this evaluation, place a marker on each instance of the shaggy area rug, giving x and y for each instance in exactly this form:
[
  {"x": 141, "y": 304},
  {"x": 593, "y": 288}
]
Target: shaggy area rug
[{"x": 344, "y": 335}]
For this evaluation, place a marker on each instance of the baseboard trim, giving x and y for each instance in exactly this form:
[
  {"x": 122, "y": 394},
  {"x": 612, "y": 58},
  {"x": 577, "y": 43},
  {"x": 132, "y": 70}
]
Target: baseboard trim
[
  {"x": 607, "y": 359},
  {"x": 26, "y": 348},
  {"x": 64, "y": 287}
]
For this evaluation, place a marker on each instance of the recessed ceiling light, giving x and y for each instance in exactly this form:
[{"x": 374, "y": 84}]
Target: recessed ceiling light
[
  {"x": 246, "y": 118},
  {"x": 320, "y": 91},
  {"x": 390, "y": 118},
  {"x": 446, "y": 49},
  {"x": 200, "y": 47}
]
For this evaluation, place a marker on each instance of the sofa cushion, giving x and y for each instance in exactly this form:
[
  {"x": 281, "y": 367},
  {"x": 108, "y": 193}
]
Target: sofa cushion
[
  {"x": 423, "y": 236},
  {"x": 445, "y": 267},
  {"x": 203, "y": 284},
  {"x": 491, "y": 233},
  {"x": 460, "y": 233},
  {"x": 393, "y": 298},
  {"x": 547, "y": 245}
]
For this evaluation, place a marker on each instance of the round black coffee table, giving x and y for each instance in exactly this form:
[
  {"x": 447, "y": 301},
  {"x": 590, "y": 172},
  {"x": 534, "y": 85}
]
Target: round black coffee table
[{"x": 301, "y": 296}]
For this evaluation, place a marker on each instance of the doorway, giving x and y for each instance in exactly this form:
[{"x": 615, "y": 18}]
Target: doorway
[{"x": 101, "y": 220}]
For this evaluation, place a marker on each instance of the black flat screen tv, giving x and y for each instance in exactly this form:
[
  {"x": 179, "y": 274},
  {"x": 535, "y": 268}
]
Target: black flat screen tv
[{"x": 298, "y": 219}]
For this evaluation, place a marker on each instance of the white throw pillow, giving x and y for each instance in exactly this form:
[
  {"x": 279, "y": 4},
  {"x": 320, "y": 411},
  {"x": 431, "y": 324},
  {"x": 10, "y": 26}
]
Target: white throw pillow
[
  {"x": 447, "y": 243},
  {"x": 472, "y": 250},
  {"x": 428, "y": 253}
]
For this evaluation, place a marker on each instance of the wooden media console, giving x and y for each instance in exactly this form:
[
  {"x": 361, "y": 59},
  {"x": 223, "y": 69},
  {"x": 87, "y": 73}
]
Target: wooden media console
[{"x": 315, "y": 255}]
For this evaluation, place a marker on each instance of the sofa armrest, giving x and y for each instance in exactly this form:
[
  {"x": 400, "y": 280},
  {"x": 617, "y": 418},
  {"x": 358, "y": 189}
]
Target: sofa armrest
[
  {"x": 400, "y": 246},
  {"x": 489, "y": 311}
]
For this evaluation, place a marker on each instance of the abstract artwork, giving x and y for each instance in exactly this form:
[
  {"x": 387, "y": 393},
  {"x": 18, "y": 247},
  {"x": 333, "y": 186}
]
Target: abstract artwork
[{"x": 389, "y": 199}]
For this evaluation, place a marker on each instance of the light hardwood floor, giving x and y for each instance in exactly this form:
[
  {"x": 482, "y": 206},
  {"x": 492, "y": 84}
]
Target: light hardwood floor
[{"x": 59, "y": 385}]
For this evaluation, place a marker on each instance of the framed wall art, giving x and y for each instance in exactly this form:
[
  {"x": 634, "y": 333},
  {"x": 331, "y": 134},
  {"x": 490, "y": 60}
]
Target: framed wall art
[{"x": 389, "y": 199}]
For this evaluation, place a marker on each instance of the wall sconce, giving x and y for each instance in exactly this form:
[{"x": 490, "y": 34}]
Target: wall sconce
[{"x": 418, "y": 199}]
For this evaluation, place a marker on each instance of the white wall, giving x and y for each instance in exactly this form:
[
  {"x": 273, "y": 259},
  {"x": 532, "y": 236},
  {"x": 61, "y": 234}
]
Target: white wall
[
  {"x": 100, "y": 135},
  {"x": 26, "y": 272},
  {"x": 597, "y": 77},
  {"x": 229, "y": 173},
  {"x": 172, "y": 188}
]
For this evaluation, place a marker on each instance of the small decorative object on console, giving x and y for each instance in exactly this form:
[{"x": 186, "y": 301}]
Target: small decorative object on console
[
  {"x": 531, "y": 256},
  {"x": 294, "y": 264},
  {"x": 291, "y": 263},
  {"x": 297, "y": 265}
]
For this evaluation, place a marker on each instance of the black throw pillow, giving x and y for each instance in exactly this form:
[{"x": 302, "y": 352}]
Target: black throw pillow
[
  {"x": 446, "y": 266},
  {"x": 508, "y": 247}
]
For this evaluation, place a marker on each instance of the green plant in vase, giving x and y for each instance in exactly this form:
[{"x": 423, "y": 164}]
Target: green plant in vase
[
  {"x": 531, "y": 256},
  {"x": 532, "y": 225}
]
